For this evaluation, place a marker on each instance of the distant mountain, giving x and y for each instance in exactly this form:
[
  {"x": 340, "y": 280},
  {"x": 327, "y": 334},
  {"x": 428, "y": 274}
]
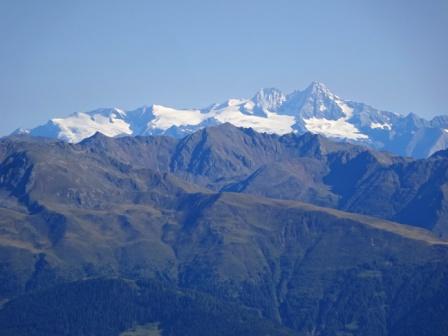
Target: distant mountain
[
  {"x": 315, "y": 109},
  {"x": 308, "y": 168},
  {"x": 115, "y": 234}
]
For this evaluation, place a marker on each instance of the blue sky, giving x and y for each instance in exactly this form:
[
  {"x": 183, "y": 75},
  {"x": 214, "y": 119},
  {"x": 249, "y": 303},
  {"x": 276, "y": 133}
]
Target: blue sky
[{"x": 58, "y": 57}]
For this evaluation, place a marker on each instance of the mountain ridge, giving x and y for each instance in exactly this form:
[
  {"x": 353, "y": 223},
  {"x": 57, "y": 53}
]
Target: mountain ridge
[
  {"x": 308, "y": 168},
  {"x": 315, "y": 109},
  {"x": 156, "y": 208}
]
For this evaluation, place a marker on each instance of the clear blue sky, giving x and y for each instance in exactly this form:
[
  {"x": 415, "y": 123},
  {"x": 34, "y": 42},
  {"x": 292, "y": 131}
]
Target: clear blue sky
[{"x": 58, "y": 57}]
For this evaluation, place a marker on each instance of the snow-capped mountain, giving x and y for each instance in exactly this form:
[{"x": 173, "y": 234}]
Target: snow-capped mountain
[{"x": 315, "y": 109}]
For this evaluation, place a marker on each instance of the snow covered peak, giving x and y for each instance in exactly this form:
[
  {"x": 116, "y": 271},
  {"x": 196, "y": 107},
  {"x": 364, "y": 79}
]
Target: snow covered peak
[
  {"x": 315, "y": 109},
  {"x": 316, "y": 101},
  {"x": 318, "y": 89},
  {"x": 269, "y": 99},
  {"x": 269, "y": 110}
]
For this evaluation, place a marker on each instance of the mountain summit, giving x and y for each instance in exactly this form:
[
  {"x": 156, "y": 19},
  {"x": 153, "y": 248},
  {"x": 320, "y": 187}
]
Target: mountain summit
[
  {"x": 269, "y": 99},
  {"x": 315, "y": 109}
]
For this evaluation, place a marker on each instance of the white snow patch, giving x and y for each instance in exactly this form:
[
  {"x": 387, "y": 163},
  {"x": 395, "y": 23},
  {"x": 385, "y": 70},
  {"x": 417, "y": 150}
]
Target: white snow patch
[
  {"x": 166, "y": 117},
  {"x": 231, "y": 112},
  {"x": 82, "y": 125},
  {"x": 382, "y": 126},
  {"x": 22, "y": 131},
  {"x": 235, "y": 102},
  {"x": 250, "y": 105},
  {"x": 272, "y": 123},
  {"x": 348, "y": 111},
  {"x": 339, "y": 128},
  {"x": 334, "y": 128}
]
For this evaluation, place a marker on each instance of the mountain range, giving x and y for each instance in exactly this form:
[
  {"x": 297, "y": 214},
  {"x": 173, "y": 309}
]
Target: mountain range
[
  {"x": 315, "y": 109},
  {"x": 223, "y": 231}
]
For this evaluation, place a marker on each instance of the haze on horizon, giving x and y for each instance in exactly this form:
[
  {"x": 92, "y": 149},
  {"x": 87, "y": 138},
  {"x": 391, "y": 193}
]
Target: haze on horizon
[{"x": 62, "y": 57}]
